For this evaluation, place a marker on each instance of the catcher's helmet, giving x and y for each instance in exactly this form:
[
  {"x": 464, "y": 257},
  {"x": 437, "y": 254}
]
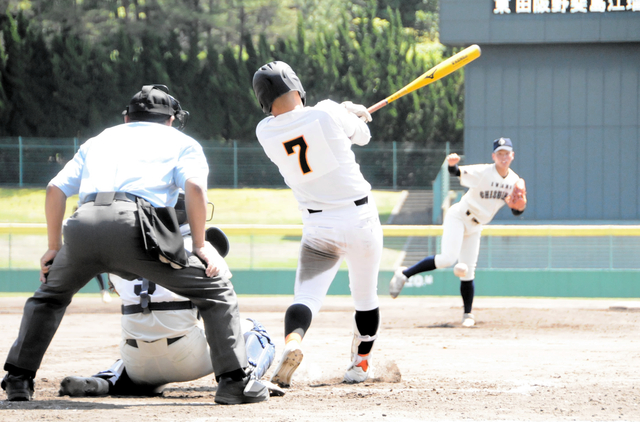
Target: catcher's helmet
[
  {"x": 273, "y": 80},
  {"x": 218, "y": 239},
  {"x": 154, "y": 104}
]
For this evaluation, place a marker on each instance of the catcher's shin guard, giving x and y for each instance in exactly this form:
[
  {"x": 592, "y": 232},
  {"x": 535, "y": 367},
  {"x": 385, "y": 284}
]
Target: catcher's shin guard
[
  {"x": 260, "y": 354},
  {"x": 260, "y": 350}
]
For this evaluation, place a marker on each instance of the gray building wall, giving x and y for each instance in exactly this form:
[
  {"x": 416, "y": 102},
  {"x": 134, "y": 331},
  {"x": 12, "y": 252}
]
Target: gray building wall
[{"x": 571, "y": 107}]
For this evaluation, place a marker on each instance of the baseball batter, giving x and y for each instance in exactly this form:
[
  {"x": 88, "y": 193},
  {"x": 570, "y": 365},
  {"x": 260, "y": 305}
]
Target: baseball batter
[
  {"x": 312, "y": 148},
  {"x": 491, "y": 186}
]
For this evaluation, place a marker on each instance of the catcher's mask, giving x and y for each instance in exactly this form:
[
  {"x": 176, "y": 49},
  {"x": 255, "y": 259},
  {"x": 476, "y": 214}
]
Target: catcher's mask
[
  {"x": 154, "y": 104},
  {"x": 273, "y": 80}
]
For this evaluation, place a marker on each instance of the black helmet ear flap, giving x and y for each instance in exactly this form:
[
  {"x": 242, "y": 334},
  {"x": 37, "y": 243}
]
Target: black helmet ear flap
[{"x": 181, "y": 115}]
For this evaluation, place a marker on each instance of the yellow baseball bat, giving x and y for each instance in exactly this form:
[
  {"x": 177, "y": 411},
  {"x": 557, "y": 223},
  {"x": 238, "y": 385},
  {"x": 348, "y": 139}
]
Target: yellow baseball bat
[{"x": 439, "y": 71}]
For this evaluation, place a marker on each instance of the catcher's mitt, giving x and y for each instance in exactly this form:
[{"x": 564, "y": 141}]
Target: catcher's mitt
[{"x": 518, "y": 198}]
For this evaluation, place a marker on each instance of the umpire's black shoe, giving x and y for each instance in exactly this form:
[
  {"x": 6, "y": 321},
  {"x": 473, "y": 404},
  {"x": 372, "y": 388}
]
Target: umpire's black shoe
[
  {"x": 232, "y": 392},
  {"x": 18, "y": 387}
]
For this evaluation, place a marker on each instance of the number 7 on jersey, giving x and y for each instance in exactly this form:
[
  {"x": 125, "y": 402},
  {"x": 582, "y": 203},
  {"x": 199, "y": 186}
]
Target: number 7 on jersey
[{"x": 299, "y": 142}]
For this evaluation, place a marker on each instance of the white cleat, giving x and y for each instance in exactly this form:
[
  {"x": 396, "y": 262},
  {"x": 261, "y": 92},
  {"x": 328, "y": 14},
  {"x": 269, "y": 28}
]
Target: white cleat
[
  {"x": 468, "y": 320},
  {"x": 356, "y": 374},
  {"x": 397, "y": 282},
  {"x": 289, "y": 362}
]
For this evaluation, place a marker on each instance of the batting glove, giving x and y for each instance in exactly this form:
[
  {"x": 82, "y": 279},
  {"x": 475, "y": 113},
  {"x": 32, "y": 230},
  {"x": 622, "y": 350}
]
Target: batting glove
[{"x": 359, "y": 110}]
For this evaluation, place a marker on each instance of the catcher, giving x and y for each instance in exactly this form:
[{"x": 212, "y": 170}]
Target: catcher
[
  {"x": 491, "y": 186},
  {"x": 163, "y": 339}
]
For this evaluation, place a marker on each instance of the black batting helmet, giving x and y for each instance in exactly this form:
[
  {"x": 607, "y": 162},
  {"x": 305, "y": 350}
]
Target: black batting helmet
[
  {"x": 154, "y": 104},
  {"x": 273, "y": 80}
]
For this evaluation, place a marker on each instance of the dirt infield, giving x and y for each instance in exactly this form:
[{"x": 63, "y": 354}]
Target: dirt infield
[{"x": 527, "y": 359}]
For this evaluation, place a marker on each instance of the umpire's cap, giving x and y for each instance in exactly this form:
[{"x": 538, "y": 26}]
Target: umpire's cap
[
  {"x": 273, "y": 80},
  {"x": 154, "y": 104}
]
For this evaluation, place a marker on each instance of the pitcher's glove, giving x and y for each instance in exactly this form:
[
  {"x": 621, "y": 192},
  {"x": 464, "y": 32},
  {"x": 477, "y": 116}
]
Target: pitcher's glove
[
  {"x": 518, "y": 198},
  {"x": 359, "y": 110}
]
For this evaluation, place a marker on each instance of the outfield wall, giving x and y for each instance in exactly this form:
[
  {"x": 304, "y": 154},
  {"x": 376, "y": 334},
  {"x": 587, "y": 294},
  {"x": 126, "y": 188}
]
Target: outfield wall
[
  {"x": 494, "y": 282},
  {"x": 518, "y": 260}
]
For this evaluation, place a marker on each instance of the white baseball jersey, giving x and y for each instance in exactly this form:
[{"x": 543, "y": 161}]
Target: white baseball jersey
[
  {"x": 487, "y": 190},
  {"x": 312, "y": 148}
]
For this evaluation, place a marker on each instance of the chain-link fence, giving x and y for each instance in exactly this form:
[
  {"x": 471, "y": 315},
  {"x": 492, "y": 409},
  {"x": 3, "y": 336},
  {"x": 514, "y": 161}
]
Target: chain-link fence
[{"x": 34, "y": 161}]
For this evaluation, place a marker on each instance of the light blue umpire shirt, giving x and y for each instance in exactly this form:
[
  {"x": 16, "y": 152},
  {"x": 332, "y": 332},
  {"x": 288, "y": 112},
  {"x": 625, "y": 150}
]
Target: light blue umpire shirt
[{"x": 149, "y": 160}]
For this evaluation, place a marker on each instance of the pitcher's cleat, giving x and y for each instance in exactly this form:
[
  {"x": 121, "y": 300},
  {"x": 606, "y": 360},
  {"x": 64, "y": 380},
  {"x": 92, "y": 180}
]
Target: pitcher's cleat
[
  {"x": 397, "y": 282},
  {"x": 468, "y": 320}
]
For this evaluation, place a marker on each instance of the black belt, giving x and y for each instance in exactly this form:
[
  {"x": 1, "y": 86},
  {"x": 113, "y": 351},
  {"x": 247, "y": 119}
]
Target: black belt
[
  {"x": 473, "y": 218},
  {"x": 157, "y": 306},
  {"x": 106, "y": 198},
  {"x": 359, "y": 202},
  {"x": 134, "y": 343}
]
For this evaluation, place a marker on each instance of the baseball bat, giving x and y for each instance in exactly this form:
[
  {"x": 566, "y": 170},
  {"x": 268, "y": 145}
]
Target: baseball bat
[{"x": 437, "y": 72}]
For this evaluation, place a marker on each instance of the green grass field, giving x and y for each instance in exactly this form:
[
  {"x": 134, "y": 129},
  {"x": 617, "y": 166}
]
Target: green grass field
[{"x": 232, "y": 206}]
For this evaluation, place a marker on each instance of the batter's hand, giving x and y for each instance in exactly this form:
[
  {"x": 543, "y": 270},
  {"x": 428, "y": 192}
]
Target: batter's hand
[
  {"x": 45, "y": 263},
  {"x": 453, "y": 159},
  {"x": 359, "y": 110},
  {"x": 518, "y": 198},
  {"x": 208, "y": 254}
]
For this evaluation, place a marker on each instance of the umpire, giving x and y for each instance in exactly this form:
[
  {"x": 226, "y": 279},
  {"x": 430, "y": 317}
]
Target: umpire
[{"x": 143, "y": 159}]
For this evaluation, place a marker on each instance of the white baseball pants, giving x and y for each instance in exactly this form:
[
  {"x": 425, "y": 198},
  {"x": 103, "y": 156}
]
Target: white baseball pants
[
  {"x": 460, "y": 241},
  {"x": 352, "y": 233}
]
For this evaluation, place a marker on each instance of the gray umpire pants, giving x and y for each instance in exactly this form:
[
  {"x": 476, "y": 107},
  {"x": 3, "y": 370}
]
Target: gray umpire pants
[{"x": 99, "y": 239}]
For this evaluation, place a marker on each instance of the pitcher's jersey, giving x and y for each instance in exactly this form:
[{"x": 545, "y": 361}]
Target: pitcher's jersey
[
  {"x": 487, "y": 190},
  {"x": 312, "y": 148}
]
